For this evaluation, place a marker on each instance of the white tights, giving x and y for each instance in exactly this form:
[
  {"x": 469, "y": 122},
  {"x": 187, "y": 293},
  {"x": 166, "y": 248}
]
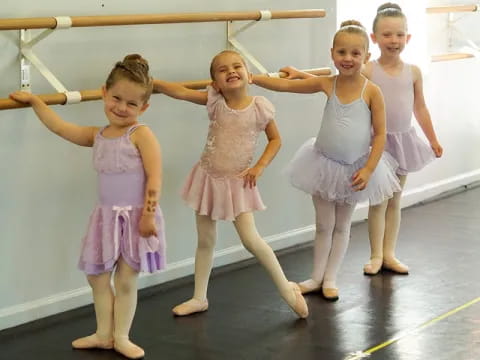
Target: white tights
[
  {"x": 332, "y": 236},
  {"x": 384, "y": 224},
  {"x": 247, "y": 231},
  {"x": 115, "y": 312}
]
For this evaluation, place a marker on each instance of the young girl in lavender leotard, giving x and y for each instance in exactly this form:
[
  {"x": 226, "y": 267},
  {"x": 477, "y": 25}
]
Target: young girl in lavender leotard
[
  {"x": 126, "y": 231},
  {"x": 402, "y": 88}
]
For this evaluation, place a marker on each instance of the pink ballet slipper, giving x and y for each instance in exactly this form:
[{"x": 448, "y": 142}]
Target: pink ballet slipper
[
  {"x": 330, "y": 294},
  {"x": 373, "y": 266},
  {"x": 124, "y": 346},
  {"x": 300, "y": 305},
  {"x": 395, "y": 266},
  {"x": 309, "y": 286},
  {"x": 92, "y": 342},
  {"x": 191, "y": 306}
]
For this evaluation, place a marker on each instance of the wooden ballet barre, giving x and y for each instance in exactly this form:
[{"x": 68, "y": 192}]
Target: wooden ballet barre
[
  {"x": 90, "y": 95},
  {"x": 114, "y": 20},
  {"x": 453, "y": 8},
  {"x": 452, "y": 56}
]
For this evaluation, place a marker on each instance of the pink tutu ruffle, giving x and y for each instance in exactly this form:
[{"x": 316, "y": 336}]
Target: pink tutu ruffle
[
  {"x": 411, "y": 153},
  {"x": 315, "y": 174},
  {"x": 221, "y": 198}
]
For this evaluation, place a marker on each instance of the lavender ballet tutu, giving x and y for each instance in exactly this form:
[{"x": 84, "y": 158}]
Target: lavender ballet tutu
[
  {"x": 113, "y": 232},
  {"x": 316, "y": 174},
  {"x": 411, "y": 153}
]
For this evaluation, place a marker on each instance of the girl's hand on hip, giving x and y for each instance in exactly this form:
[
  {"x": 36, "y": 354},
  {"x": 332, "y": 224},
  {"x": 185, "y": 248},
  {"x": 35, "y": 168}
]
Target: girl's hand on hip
[
  {"x": 250, "y": 176},
  {"x": 147, "y": 226},
  {"x": 360, "y": 179}
]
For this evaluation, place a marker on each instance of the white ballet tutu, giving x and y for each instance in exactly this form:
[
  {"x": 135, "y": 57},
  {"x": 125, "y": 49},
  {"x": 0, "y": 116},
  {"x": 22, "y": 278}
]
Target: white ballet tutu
[{"x": 316, "y": 174}]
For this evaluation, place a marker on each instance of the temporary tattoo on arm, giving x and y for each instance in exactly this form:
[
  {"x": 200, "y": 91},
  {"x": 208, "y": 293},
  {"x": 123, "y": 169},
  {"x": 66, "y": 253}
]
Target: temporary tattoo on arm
[{"x": 151, "y": 202}]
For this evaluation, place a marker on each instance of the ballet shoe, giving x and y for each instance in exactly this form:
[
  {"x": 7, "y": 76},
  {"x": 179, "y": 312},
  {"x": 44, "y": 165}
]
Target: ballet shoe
[
  {"x": 395, "y": 266},
  {"x": 309, "y": 286},
  {"x": 92, "y": 342},
  {"x": 128, "y": 349},
  {"x": 330, "y": 294},
  {"x": 373, "y": 266},
  {"x": 300, "y": 305},
  {"x": 191, "y": 306}
]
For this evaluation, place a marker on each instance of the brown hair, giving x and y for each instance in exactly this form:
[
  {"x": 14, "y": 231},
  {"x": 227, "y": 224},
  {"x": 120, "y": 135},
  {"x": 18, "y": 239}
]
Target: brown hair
[
  {"x": 133, "y": 68},
  {"x": 220, "y": 54},
  {"x": 353, "y": 27},
  {"x": 388, "y": 10}
]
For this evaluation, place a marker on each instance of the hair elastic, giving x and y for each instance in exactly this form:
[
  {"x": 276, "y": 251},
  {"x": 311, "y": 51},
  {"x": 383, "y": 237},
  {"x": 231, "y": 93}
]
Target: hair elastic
[{"x": 390, "y": 9}]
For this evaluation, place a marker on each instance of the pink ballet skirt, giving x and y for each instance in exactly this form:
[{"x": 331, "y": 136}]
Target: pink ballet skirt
[
  {"x": 113, "y": 229},
  {"x": 314, "y": 173},
  {"x": 213, "y": 187},
  {"x": 411, "y": 152},
  {"x": 220, "y": 198}
]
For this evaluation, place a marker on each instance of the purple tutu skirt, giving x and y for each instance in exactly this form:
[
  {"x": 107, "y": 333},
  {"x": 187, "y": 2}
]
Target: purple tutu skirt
[
  {"x": 113, "y": 232},
  {"x": 411, "y": 152},
  {"x": 220, "y": 198},
  {"x": 316, "y": 174}
]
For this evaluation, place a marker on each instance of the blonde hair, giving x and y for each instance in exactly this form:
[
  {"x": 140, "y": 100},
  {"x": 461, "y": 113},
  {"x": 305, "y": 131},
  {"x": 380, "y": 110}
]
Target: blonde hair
[
  {"x": 388, "y": 10},
  {"x": 353, "y": 27},
  {"x": 219, "y": 55},
  {"x": 134, "y": 68}
]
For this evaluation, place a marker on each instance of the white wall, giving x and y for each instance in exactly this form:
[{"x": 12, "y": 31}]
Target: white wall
[{"x": 47, "y": 186}]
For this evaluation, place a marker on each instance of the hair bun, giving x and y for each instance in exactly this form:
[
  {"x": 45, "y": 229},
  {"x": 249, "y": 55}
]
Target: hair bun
[
  {"x": 135, "y": 58},
  {"x": 389, "y": 6},
  {"x": 352, "y": 23}
]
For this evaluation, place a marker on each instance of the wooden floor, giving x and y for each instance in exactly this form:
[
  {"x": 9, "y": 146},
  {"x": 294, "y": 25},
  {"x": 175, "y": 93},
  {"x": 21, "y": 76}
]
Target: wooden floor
[{"x": 431, "y": 314}]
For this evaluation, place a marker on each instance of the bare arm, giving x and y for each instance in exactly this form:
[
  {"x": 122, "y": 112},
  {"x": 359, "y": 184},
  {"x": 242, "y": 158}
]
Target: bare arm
[
  {"x": 305, "y": 86},
  {"x": 294, "y": 73},
  {"x": 377, "y": 109},
  {"x": 422, "y": 114},
  {"x": 150, "y": 152},
  {"x": 271, "y": 150},
  {"x": 180, "y": 92},
  {"x": 80, "y": 135}
]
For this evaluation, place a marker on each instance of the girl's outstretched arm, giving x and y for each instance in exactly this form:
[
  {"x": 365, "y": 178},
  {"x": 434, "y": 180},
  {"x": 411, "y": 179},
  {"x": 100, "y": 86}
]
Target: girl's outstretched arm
[
  {"x": 294, "y": 73},
  {"x": 305, "y": 86},
  {"x": 150, "y": 152},
  {"x": 80, "y": 135},
  {"x": 377, "y": 109},
  {"x": 422, "y": 114},
  {"x": 180, "y": 92},
  {"x": 250, "y": 175}
]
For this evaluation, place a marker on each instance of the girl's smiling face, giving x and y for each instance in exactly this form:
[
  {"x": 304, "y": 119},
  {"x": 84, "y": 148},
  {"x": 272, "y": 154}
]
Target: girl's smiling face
[
  {"x": 230, "y": 72},
  {"x": 124, "y": 102},
  {"x": 391, "y": 35},
  {"x": 349, "y": 53}
]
